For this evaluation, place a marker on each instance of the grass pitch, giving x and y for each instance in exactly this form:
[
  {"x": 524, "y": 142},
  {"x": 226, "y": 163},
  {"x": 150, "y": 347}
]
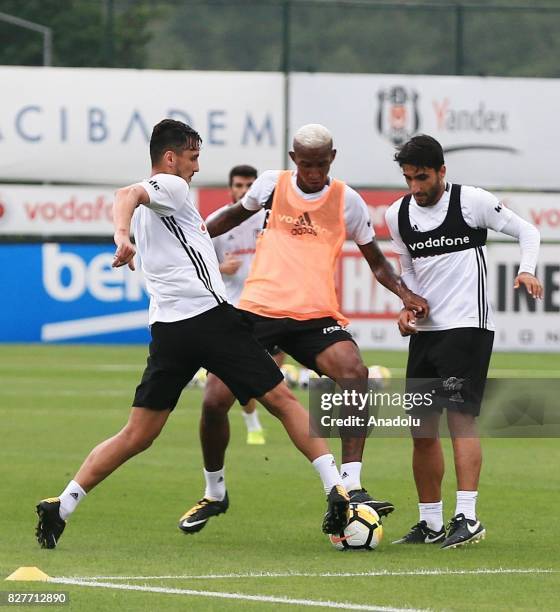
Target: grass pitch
[{"x": 56, "y": 402}]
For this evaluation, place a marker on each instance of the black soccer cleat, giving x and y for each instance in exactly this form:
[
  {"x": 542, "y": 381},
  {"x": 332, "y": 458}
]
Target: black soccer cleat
[
  {"x": 336, "y": 516},
  {"x": 196, "y": 518},
  {"x": 361, "y": 496},
  {"x": 462, "y": 530},
  {"x": 422, "y": 534},
  {"x": 50, "y": 525}
]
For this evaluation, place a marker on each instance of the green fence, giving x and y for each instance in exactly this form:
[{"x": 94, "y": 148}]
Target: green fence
[{"x": 496, "y": 38}]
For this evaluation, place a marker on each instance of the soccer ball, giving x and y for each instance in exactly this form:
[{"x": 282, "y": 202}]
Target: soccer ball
[
  {"x": 363, "y": 531},
  {"x": 381, "y": 374},
  {"x": 199, "y": 379},
  {"x": 305, "y": 376},
  {"x": 291, "y": 374}
]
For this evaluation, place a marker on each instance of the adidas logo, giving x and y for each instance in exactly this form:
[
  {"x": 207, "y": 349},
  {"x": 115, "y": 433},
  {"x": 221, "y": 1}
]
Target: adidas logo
[
  {"x": 303, "y": 225},
  {"x": 345, "y": 475},
  {"x": 221, "y": 479},
  {"x": 74, "y": 495}
]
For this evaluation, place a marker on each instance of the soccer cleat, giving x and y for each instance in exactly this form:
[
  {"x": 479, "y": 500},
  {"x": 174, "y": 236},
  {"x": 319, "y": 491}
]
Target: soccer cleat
[
  {"x": 256, "y": 437},
  {"x": 196, "y": 518},
  {"x": 422, "y": 534},
  {"x": 336, "y": 516},
  {"x": 462, "y": 530},
  {"x": 361, "y": 496},
  {"x": 50, "y": 525}
]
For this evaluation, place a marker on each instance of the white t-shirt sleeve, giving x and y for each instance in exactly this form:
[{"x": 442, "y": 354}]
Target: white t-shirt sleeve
[
  {"x": 167, "y": 193},
  {"x": 219, "y": 248},
  {"x": 260, "y": 190},
  {"x": 392, "y": 222},
  {"x": 356, "y": 218},
  {"x": 482, "y": 209},
  {"x": 399, "y": 247}
]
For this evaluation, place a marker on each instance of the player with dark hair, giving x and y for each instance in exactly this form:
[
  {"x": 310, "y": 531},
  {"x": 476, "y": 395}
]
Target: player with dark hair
[
  {"x": 439, "y": 231},
  {"x": 191, "y": 326},
  {"x": 235, "y": 251},
  {"x": 289, "y": 299}
]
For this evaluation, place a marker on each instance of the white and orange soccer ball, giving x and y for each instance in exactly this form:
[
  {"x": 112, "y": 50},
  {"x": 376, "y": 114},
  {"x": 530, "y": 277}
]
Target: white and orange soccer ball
[{"x": 363, "y": 531}]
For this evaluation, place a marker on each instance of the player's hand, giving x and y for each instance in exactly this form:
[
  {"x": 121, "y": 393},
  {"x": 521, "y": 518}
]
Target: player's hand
[
  {"x": 125, "y": 252},
  {"x": 531, "y": 283},
  {"x": 416, "y": 304},
  {"x": 230, "y": 265},
  {"x": 407, "y": 322}
]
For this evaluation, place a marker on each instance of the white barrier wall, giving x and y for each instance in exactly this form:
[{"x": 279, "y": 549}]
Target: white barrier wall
[
  {"x": 497, "y": 132},
  {"x": 93, "y": 125},
  {"x": 76, "y": 210}
]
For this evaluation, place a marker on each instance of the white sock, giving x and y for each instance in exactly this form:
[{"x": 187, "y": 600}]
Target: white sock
[
  {"x": 350, "y": 474},
  {"x": 326, "y": 467},
  {"x": 432, "y": 513},
  {"x": 215, "y": 485},
  {"x": 70, "y": 498},
  {"x": 252, "y": 420},
  {"x": 466, "y": 504}
]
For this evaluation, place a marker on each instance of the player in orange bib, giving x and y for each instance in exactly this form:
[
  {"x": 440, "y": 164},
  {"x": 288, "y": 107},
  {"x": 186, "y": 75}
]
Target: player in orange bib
[{"x": 289, "y": 298}]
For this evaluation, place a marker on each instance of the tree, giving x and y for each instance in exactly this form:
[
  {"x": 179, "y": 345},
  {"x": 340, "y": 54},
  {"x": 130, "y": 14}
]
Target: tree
[{"x": 85, "y": 32}]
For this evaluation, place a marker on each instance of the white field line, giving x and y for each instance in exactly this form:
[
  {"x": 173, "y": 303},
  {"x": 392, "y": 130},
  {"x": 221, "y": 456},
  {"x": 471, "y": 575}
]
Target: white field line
[
  {"x": 224, "y": 595},
  {"x": 388, "y": 573}
]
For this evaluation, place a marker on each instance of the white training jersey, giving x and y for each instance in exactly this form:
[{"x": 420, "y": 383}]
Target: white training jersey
[
  {"x": 356, "y": 214},
  {"x": 176, "y": 252},
  {"x": 455, "y": 284},
  {"x": 240, "y": 242}
]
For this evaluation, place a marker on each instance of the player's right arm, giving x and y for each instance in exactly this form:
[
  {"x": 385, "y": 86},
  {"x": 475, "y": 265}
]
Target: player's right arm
[
  {"x": 253, "y": 201},
  {"x": 126, "y": 201},
  {"x": 228, "y": 218}
]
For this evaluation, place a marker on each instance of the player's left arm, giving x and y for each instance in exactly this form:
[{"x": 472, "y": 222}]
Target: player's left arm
[
  {"x": 385, "y": 274},
  {"x": 487, "y": 211},
  {"x": 529, "y": 241},
  {"x": 359, "y": 229}
]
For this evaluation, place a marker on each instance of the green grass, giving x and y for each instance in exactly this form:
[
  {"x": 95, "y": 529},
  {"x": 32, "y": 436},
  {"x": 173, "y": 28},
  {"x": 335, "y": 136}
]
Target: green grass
[{"x": 57, "y": 402}]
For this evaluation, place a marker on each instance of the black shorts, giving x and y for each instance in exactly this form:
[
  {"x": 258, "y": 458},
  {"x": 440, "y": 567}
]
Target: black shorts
[
  {"x": 458, "y": 359},
  {"x": 219, "y": 340},
  {"x": 303, "y": 340}
]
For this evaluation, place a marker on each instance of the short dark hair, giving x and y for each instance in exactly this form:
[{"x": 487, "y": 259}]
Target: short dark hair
[
  {"x": 242, "y": 170},
  {"x": 171, "y": 135},
  {"x": 421, "y": 151}
]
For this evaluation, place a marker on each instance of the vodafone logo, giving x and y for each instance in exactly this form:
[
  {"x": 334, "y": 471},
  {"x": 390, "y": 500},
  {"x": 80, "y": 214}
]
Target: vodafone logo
[
  {"x": 2, "y": 210},
  {"x": 73, "y": 210},
  {"x": 547, "y": 217}
]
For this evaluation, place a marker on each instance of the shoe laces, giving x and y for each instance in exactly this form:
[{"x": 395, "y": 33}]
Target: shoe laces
[
  {"x": 454, "y": 523},
  {"x": 420, "y": 526},
  {"x": 199, "y": 505}
]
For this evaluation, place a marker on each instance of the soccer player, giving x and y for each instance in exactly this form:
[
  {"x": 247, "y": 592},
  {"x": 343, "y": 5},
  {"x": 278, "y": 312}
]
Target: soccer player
[
  {"x": 235, "y": 250},
  {"x": 191, "y": 326},
  {"x": 289, "y": 298},
  {"x": 439, "y": 231}
]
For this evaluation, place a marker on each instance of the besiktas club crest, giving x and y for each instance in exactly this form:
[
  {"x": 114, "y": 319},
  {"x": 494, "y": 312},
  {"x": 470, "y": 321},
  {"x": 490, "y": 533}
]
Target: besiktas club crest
[{"x": 397, "y": 114}]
